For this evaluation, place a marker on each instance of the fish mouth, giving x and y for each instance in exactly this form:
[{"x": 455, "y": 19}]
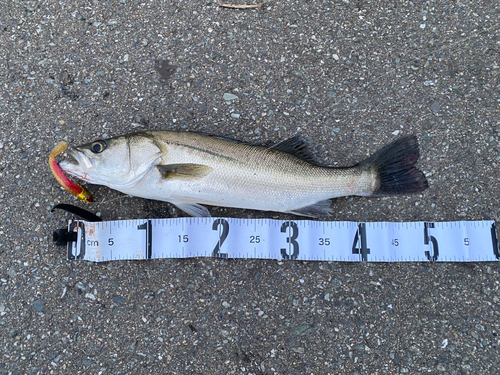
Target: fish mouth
[{"x": 76, "y": 164}]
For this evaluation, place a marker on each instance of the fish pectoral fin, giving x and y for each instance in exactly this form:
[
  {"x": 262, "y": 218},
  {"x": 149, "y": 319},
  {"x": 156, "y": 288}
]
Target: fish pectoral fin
[
  {"x": 321, "y": 208},
  {"x": 193, "y": 209},
  {"x": 183, "y": 171}
]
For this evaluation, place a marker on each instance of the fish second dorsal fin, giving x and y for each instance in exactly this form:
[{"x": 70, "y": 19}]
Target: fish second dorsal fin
[{"x": 297, "y": 147}]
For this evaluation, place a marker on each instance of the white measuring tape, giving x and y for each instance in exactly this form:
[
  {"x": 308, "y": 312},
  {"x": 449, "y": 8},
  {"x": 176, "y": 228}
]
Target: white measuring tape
[{"x": 457, "y": 241}]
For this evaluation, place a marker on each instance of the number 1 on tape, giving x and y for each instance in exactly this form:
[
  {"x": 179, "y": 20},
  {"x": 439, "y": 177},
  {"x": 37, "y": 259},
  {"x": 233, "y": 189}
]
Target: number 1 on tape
[{"x": 458, "y": 241}]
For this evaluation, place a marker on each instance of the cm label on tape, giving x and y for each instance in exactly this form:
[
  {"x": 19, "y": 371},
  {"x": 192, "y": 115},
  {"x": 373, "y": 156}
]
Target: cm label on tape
[{"x": 460, "y": 241}]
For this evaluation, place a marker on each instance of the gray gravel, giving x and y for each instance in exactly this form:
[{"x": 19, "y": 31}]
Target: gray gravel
[{"x": 350, "y": 76}]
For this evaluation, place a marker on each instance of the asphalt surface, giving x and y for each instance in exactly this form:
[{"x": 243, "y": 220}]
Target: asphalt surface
[{"x": 350, "y": 76}]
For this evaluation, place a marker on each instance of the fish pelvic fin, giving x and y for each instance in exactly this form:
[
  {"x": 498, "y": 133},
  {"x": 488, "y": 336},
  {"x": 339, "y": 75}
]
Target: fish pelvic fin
[
  {"x": 395, "y": 166},
  {"x": 183, "y": 171},
  {"x": 193, "y": 209}
]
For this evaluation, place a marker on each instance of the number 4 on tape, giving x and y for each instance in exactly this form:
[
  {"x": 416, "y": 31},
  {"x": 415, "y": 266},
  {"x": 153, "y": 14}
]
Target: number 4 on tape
[{"x": 458, "y": 241}]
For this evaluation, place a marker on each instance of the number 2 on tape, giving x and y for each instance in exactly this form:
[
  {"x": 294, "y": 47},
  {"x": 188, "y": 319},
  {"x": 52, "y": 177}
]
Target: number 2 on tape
[{"x": 222, "y": 226}]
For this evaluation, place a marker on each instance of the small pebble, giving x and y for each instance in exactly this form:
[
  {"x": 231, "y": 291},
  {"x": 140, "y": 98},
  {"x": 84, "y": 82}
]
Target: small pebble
[
  {"x": 118, "y": 299},
  {"x": 435, "y": 107},
  {"x": 14, "y": 333},
  {"x": 38, "y": 306},
  {"x": 228, "y": 97}
]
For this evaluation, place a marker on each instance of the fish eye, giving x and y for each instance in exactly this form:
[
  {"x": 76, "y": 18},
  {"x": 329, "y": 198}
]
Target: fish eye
[{"x": 98, "y": 146}]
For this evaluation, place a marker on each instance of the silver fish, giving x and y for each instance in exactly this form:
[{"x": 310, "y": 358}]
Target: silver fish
[{"x": 189, "y": 169}]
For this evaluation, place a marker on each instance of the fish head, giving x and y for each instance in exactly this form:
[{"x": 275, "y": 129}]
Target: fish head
[{"x": 118, "y": 162}]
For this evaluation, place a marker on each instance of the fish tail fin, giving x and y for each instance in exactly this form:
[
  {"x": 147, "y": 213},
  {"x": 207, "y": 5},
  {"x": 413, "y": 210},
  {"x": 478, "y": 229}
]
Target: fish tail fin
[{"x": 395, "y": 164}]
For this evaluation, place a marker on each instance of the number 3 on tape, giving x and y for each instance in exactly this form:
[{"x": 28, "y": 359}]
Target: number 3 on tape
[{"x": 459, "y": 241}]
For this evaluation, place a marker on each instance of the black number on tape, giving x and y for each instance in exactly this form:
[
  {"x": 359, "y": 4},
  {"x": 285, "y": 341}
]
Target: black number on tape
[
  {"x": 73, "y": 228},
  {"x": 432, "y": 239},
  {"x": 149, "y": 237},
  {"x": 222, "y": 237},
  {"x": 494, "y": 241},
  {"x": 360, "y": 237},
  {"x": 324, "y": 241},
  {"x": 254, "y": 239},
  {"x": 291, "y": 240}
]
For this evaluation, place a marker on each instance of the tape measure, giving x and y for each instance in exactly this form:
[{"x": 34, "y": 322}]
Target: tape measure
[{"x": 456, "y": 241}]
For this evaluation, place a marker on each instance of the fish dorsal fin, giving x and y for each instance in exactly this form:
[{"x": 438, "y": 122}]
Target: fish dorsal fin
[
  {"x": 186, "y": 171},
  {"x": 297, "y": 147},
  {"x": 221, "y": 137}
]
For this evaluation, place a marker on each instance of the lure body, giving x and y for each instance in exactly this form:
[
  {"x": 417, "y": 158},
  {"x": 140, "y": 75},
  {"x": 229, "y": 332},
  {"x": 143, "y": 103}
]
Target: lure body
[{"x": 77, "y": 190}]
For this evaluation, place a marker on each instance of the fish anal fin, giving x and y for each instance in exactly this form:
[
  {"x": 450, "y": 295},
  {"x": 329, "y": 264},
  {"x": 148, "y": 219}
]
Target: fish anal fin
[
  {"x": 297, "y": 147},
  {"x": 185, "y": 171},
  {"x": 193, "y": 209},
  {"x": 321, "y": 208}
]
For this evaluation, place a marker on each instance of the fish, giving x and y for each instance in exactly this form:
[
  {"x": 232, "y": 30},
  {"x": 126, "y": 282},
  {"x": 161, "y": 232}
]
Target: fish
[{"x": 190, "y": 170}]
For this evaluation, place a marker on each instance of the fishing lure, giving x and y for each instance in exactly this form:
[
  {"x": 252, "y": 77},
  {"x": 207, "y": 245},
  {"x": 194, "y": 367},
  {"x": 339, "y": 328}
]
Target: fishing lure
[{"x": 73, "y": 188}]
